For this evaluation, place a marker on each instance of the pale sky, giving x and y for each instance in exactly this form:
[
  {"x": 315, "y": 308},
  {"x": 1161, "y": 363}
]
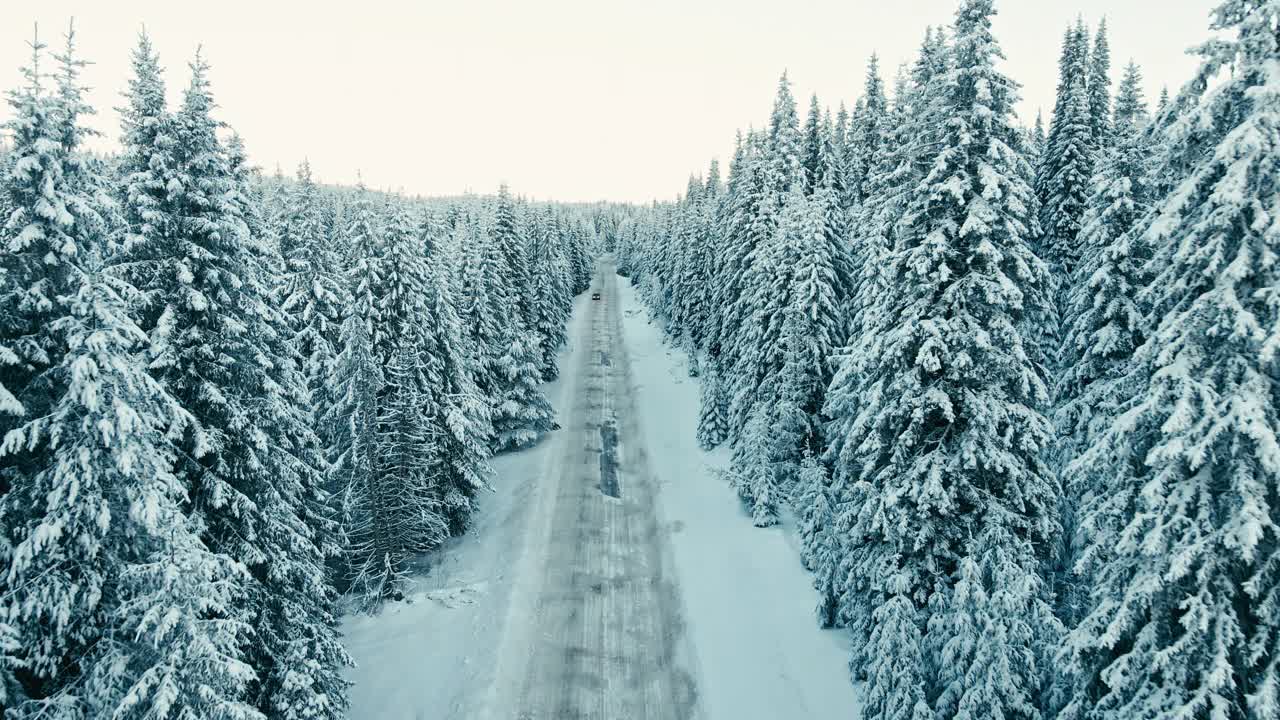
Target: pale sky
[{"x": 572, "y": 100}]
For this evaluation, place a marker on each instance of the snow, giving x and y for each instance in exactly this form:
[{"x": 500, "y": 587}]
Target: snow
[
  {"x": 748, "y": 602},
  {"x": 756, "y": 649}
]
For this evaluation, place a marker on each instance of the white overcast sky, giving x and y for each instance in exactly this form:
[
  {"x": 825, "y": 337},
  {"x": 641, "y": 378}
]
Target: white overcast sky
[{"x": 562, "y": 99}]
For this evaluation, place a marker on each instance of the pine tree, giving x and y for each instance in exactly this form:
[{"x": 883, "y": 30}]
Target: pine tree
[
  {"x": 712, "y": 420},
  {"x": 756, "y": 314},
  {"x": 316, "y": 294},
  {"x": 462, "y": 422},
  {"x": 746, "y": 322},
  {"x": 551, "y": 296},
  {"x": 251, "y": 460},
  {"x": 751, "y": 472},
  {"x": 869, "y": 128},
  {"x": 988, "y": 631},
  {"x": 297, "y": 630},
  {"x": 1104, "y": 324},
  {"x": 946, "y": 446},
  {"x": 1183, "y": 619},
  {"x": 913, "y": 129},
  {"x": 1066, "y": 167},
  {"x": 91, "y": 506},
  {"x": 699, "y": 308},
  {"x": 401, "y": 279},
  {"x": 812, "y": 323},
  {"x": 1038, "y": 139},
  {"x": 512, "y": 243},
  {"x": 522, "y": 414},
  {"x": 813, "y": 138},
  {"x": 820, "y": 547},
  {"x": 352, "y": 421},
  {"x": 897, "y": 683},
  {"x": 1099, "y": 82},
  {"x": 169, "y": 642}
]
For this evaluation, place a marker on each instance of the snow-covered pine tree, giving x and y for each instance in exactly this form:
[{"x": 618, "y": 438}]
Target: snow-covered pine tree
[
  {"x": 316, "y": 294},
  {"x": 713, "y": 411},
  {"x": 698, "y": 293},
  {"x": 813, "y": 327},
  {"x": 511, "y": 239},
  {"x": 819, "y": 550},
  {"x": 812, "y": 137},
  {"x": 486, "y": 311},
  {"x": 1103, "y": 323},
  {"x": 406, "y": 506},
  {"x": 985, "y": 641},
  {"x": 550, "y": 291},
  {"x": 911, "y": 130},
  {"x": 363, "y": 236},
  {"x": 167, "y": 641},
  {"x": 146, "y": 161},
  {"x": 401, "y": 278},
  {"x": 170, "y": 643},
  {"x": 762, "y": 354},
  {"x": 755, "y": 316},
  {"x": 947, "y": 445},
  {"x": 869, "y": 129},
  {"x": 522, "y": 414},
  {"x": 45, "y": 192},
  {"x": 1099, "y": 81},
  {"x": 751, "y": 472},
  {"x": 840, "y": 138},
  {"x": 897, "y": 684},
  {"x": 250, "y": 459},
  {"x": 1066, "y": 166},
  {"x": 298, "y": 628},
  {"x": 1038, "y": 138},
  {"x": 463, "y": 423},
  {"x": 1185, "y": 605},
  {"x": 352, "y": 422},
  {"x": 88, "y": 492},
  {"x": 739, "y": 203}
]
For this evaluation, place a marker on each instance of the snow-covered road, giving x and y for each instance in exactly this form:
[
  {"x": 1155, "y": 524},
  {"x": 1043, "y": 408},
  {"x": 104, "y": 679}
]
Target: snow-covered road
[{"x": 611, "y": 574}]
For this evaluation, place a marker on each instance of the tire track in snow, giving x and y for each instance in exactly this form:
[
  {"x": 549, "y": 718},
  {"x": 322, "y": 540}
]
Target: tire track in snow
[{"x": 595, "y": 629}]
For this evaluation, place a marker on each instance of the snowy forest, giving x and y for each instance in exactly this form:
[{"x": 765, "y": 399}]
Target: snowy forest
[
  {"x": 228, "y": 401},
  {"x": 1017, "y": 386},
  {"x": 1012, "y": 383}
]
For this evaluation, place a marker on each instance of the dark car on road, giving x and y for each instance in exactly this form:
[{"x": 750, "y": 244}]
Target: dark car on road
[{"x": 595, "y": 296}]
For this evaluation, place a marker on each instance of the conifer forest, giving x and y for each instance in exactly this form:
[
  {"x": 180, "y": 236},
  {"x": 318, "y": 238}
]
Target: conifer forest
[{"x": 910, "y": 409}]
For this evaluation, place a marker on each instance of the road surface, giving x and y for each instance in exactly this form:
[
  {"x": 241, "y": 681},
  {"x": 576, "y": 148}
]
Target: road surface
[{"x": 594, "y": 627}]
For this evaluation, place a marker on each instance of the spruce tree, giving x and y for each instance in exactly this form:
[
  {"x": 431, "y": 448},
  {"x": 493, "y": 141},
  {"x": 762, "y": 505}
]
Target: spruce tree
[
  {"x": 351, "y": 420},
  {"x": 551, "y": 292},
  {"x": 1104, "y": 323},
  {"x": 251, "y": 460},
  {"x": 819, "y": 548},
  {"x": 754, "y": 317},
  {"x": 316, "y": 293},
  {"x": 1066, "y": 166},
  {"x": 943, "y": 464},
  {"x": 712, "y": 413},
  {"x": 869, "y": 128},
  {"x": 511, "y": 239},
  {"x": 1099, "y": 81},
  {"x": 813, "y": 138},
  {"x": 462, "y": 421},
  {"x": 522, "y": 414},
  {"x": 1183, "y": 618},
  {"x": 485, "y": 308}
]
